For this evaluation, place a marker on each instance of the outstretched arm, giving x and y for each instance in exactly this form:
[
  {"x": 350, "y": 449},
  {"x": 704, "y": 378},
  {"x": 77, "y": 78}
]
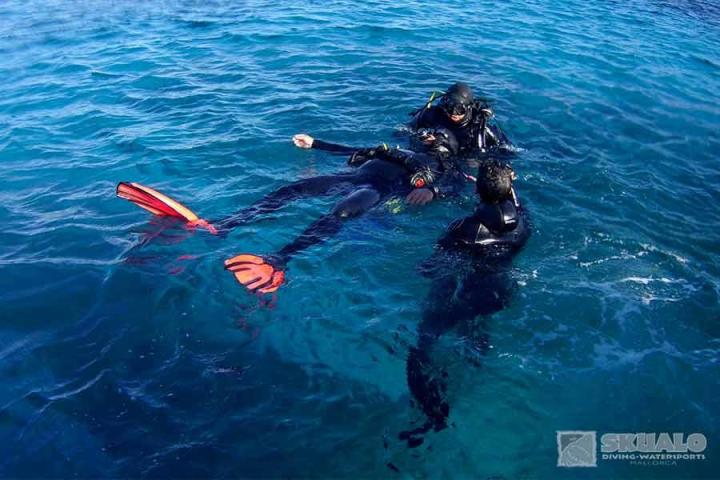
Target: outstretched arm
[{"x": 302, "y": 140}]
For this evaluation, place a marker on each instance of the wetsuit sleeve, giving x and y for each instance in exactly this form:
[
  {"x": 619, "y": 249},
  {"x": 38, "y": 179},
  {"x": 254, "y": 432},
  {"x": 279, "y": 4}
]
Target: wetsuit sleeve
[
  {"x": 399, "y": 157},
  {"x": 449, "y": 184},
  {"x": 333, "y": 147},
  {"x": 496, "y": 137},
  {"x": 452, "y": 234},
  {"x": 421, "y": 165},
  {"x": 459, "y": 233},
  {"x": 424, "y": 118},
  {"x": 439, "y": 263}
]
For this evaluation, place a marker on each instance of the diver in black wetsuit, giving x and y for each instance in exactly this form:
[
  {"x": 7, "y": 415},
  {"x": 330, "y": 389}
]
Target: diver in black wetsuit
[
  {"x": 379, "y": 173},
  {"x": 471, "y": 278},
  {"x": 468, "y": 118}
]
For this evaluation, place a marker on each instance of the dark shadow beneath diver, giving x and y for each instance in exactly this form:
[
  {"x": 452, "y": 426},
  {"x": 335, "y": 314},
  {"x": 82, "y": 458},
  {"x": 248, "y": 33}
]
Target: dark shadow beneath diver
[{"x": 465, "y": 299}]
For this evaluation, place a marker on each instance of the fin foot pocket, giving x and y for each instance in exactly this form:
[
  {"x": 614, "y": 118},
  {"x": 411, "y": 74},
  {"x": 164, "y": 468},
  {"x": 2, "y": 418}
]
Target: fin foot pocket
[{"x": 255, "y": 273}]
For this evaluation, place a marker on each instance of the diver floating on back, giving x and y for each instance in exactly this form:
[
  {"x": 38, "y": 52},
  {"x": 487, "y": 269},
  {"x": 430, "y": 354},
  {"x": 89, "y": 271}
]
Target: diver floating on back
[{"x": 378, "y": 173}]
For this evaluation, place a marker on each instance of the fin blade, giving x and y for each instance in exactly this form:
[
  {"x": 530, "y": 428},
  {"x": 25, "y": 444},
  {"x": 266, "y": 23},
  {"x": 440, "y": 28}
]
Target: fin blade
[
  {"x": 243, "y": 259},
  {"x": 154, "y": 201},
  {"x": 176, "y": 207},
  {"x": 254, "y": 273},
  {"x": 278, "y": 279},
  {"x": 160, "y": 205}
]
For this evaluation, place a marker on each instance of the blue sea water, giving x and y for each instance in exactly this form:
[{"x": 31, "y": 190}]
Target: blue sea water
[{"x": 127, "y": 351}]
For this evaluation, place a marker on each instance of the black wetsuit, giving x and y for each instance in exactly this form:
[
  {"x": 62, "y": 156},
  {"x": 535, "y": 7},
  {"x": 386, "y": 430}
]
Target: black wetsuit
[
  {"x": 474, "y": 134},
  {"x": 471, "y": 279},
  {"x": 381, "y": 175}
]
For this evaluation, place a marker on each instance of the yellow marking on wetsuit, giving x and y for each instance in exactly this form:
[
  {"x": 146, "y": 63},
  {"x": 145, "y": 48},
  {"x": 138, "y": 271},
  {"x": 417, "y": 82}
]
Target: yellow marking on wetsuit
[
  {"x": 432, "y": 98},
  {"x": 394, "y": 205}
]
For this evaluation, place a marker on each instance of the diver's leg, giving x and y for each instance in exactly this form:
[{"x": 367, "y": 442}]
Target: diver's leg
[
  {"x": 328, "y": 225},
  {"x": 265, "y": 274},
  {"x": 309, "y": 187}
]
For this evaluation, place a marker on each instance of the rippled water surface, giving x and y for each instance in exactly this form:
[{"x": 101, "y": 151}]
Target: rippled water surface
[{"x": 121, "y": 359}]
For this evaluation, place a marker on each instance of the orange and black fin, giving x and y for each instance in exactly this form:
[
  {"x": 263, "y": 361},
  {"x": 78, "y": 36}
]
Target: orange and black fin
[
  {"x": 159, "y": 204},
  {"x": 255, "y": 273}
]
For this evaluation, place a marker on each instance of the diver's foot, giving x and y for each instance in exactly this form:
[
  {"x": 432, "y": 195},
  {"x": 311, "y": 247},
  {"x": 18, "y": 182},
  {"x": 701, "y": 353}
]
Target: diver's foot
[{"x": 255, "y": 273}]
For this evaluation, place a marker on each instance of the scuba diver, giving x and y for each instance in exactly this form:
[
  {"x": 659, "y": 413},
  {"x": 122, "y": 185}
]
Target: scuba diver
[
  {"x": 471, "y": 280},
  {"x": 433, "y": 152},
  {"x": 467, "y": 117},
  {"x": 379, "y": 172}
]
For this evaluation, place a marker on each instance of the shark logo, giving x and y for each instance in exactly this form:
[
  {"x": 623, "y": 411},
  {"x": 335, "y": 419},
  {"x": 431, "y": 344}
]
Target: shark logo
[{"x": 576, "y": 449}]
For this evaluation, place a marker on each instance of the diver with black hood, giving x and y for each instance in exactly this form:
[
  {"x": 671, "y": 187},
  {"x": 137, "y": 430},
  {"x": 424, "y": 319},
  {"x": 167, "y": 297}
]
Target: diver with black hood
[{"x": 470, "y": 119}]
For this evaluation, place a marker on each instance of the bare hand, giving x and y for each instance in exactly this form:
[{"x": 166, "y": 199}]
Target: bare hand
[
  {"x": 420, "y": 196},
  {"x": 302, "y": 140}
]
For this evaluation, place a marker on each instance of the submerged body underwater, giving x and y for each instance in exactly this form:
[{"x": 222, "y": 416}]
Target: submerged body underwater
[{"x": 128, "y": 351}]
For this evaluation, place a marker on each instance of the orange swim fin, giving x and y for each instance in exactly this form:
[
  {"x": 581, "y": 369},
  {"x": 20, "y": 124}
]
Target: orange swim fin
[
  {"x": 161, "y": 205},
  {"x": 255, "y": 273}
]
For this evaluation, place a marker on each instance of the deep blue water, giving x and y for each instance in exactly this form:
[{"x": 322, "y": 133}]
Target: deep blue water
[{"x": 149, "y": 361}]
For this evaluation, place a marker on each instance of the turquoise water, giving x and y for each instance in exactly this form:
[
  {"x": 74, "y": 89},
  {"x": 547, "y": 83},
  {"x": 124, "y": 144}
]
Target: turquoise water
[{"x": 121, "y": 359}]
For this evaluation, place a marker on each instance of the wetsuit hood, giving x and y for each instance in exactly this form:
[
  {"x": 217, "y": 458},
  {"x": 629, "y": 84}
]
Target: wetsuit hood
[{"x": 458, "y": 100}]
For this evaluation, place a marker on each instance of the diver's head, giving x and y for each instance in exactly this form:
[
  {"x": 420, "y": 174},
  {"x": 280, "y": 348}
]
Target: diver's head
[
  {"x": 494, "y": 181},
  {"x": 440, "y": 141},
  {"x": 457, "y": 102}
]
